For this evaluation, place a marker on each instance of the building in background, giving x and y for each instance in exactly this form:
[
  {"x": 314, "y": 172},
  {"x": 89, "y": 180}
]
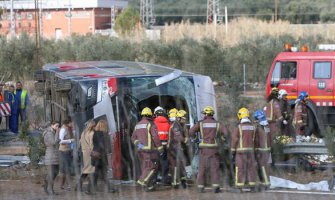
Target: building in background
[{"x": 59, "y": 18}]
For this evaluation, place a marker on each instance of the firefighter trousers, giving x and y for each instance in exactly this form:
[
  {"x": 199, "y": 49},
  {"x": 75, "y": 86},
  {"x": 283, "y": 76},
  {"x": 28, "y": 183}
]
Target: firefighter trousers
[
  {"x": 149, "y": 167},
  {"x": 208, "y": 163},
  {"x": 177, "y": 163},
  {"x": 262, "y": 158},
  {"x": 245, "y": 170}
]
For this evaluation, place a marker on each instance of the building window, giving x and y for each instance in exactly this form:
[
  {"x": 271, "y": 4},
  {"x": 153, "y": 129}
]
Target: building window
[
  {"x": 29, "y": 24},
  {"x": 19, "y": 25},
  {"x": 29, "y": 16},
  {"x": 18, "y": 16},
  {"x": 322, "y": 70}
]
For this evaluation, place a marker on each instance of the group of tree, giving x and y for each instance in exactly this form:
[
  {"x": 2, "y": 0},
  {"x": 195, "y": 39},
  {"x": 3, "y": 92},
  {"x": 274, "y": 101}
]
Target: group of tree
[{"x": 295, "y": 11}]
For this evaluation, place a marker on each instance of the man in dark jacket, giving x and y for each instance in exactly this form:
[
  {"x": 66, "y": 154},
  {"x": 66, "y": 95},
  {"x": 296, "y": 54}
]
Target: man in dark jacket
[
  {"x": 146, "y": 139},
  {"x": 210, "y": 133}
]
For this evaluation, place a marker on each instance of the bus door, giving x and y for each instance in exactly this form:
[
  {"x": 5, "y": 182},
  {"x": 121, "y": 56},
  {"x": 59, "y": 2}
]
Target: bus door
[
  {"x": 321, "y": 90},
  {"x": 104, "y": 109}
]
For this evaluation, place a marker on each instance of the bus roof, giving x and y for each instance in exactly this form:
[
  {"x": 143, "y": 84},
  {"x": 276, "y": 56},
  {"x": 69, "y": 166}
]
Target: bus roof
[
  {"x": 98, "y": 69},
  {"x": 305, "y": 55}
]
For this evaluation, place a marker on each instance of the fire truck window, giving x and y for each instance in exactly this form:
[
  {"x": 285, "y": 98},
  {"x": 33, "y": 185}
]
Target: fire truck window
[
  {"x": 322, "y": 70},
  {"x": 276, "y": 74},
  {"x": 289, "y": 70}
]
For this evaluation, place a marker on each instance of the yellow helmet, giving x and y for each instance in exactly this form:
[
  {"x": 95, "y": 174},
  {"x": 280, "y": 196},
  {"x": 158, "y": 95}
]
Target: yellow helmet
[
  {"x": 209, "y": 110},
  {"x": 275, "y": 90},
  {"x": 146, "y": 112},
  {"x": 181, "y": 113},
  {"x": 242, "y": 113},
  {"x": 173, "y": 112}
]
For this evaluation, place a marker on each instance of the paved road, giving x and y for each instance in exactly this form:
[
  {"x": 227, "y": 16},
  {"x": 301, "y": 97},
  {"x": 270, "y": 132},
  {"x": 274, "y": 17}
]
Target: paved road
[{"x": 27, "y": 190}]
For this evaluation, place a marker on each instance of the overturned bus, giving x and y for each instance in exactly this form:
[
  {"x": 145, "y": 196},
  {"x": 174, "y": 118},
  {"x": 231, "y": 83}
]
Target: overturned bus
[{"x": 118, "y": 91}]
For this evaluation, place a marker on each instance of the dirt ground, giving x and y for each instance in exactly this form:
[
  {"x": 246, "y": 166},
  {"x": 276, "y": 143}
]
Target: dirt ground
[
  {"x": 29, "y": 190},
  {"x": 26, "y": 183}
]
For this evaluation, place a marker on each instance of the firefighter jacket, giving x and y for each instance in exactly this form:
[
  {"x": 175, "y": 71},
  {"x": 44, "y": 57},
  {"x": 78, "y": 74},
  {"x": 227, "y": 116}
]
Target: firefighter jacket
[
  {"x": 273, "y": 112},
  {"x": 145, "y": 132},
  {"x": 285, "y": 109},
  {"x": 163, "y": 126},
  {"x": 177, "y": 136},
  {"x": 243, "y": 138},
  {"x": 300, "y": 114},
  {"x": 210, "y": 131},
  {"x": 263, "y": 139}
]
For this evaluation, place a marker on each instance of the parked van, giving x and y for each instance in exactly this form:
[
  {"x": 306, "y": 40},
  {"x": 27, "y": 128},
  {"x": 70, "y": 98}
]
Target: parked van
[
  {"x": 313, "y": 72},
  {"x": 118, "y": 91}
]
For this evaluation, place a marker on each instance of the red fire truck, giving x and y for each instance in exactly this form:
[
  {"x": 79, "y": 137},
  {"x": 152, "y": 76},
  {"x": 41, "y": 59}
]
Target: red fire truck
[{"x": 311, "y": 72}]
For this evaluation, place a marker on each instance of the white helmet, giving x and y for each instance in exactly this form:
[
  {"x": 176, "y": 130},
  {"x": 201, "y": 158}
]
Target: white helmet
[
  {"x": 281, "y": 93},
  {"x": 158, "y": 108}
]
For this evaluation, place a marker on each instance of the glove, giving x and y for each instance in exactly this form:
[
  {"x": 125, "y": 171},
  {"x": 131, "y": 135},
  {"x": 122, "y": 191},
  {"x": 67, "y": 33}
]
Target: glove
[
  {"x": 140, "y": 146},
  {"x": 285, "y": 122}
]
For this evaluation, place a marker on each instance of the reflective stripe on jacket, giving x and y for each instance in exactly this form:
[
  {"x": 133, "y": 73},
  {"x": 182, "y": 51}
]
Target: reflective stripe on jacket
[
  {"x": 243, "y": 138},
  {"x": 146, "y": 134}
]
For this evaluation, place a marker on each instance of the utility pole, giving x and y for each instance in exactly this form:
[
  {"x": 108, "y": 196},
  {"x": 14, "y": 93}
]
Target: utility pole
[
  {"x": 146, "y": 12},
  {"x": 213, "y": 12},
  {"x": 12, "y": 21},
  {"x": 37, "y": 32},
  {"x": 112, "y": 18},
  {"x": 276, "y": 11},
  {"x": 69, "y": 15}
]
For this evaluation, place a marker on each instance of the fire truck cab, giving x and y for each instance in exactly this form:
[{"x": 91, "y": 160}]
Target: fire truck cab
[
  {"x": 313, "y": 72},
  {"x": 118, "y": 91}
]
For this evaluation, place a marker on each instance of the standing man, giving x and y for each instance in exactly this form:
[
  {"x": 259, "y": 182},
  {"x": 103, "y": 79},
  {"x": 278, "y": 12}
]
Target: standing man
[
  {"x": 13, "y": 118},
  {"x": 273, "y": 113},
  {"x": 163, "y": 126},
  {"x": 262, "y": 147},
  {"x": 211, "y": 131},
  {"x": 146, "y": 139},
  {"x": 22, "y": 97},
  {"x": 285, "y": 128},
  {"x": 243, "y": 149},
  {"x": 300, "y": 115},
  {"x": 177, "y": 137}
]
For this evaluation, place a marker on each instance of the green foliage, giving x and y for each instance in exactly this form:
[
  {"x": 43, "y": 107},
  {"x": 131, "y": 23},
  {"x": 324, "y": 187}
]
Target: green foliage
[
  {"x": 24, "y": 130},
  {"x": 330, "y": 140},
  {"x": 296, "y": 11},
  {"x": 127, "y": 20},
  {"x": 36, "y": 149}
]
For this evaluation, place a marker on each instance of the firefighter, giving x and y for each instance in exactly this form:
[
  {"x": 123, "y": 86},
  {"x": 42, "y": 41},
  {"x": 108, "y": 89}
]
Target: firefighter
[
  {"x": 262, "y": 147},
  {"x": 286, "y": 127},
  {"x": 300, "y": 115},
  {"x": 243, "y": 149},
  {"x": 172, "y": 114},
  {"x": 273, "y": 113},
  {"x": 163, "y": 126},
  {"x": 146, "y": 139},
  {"x": 211, "y": 131},
  {"x": 177, "y": 160}
]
